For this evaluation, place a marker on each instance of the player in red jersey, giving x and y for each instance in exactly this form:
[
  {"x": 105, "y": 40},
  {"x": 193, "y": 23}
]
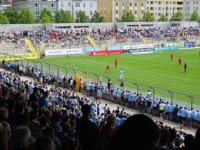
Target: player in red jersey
[
  {"x": 172, "y": 56},
  {"x": 116, "y": 62},
  {"x": 108, "y": 68},
  {"x": 179, "y": 61}
]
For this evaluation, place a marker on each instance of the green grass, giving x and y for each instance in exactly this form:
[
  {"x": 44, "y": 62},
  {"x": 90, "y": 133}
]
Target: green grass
[{"x": 155, "y": 69}]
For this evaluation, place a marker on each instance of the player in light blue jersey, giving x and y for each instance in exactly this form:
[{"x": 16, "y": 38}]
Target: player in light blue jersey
[{"x": 121, "y": 74}]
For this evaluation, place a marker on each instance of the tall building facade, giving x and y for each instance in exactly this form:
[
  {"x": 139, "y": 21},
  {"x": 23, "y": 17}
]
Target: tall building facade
[
  {"x": 189, "y": 6},
  {"x": 36, "y": 6},
  {"x": 164, "y": 7},
  {"x": 113, "y": 10},
  {"x": 74, "y": 6}
]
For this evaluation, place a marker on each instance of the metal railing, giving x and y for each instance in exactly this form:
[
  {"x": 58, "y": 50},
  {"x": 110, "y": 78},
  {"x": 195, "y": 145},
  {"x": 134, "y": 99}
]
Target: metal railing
[{"x": 59, "y": 72}]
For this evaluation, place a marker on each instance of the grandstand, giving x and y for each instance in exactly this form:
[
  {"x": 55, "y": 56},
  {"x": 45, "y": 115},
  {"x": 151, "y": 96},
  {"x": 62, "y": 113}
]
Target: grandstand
[{"x": 59, "y": 108}]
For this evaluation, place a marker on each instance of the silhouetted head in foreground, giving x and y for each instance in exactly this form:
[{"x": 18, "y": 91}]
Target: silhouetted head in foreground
[{"x": 138, "y": 132}]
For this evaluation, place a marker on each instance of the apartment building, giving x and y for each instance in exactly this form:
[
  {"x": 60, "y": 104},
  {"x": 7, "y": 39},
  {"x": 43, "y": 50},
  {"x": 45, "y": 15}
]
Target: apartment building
[
  {"x": 36, "y": 6},
  {"x": 164, "y": 7},
  {"x": 189, "y": 6},
  {"x": 74, "y": 6},
  {"x": 113, "y": 10}
]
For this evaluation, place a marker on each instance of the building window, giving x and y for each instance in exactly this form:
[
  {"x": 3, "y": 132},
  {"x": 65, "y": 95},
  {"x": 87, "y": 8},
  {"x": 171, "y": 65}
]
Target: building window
[
  {"x": 142, "y": 4},
  {"x": 37, "y": 13},
  {"x": 52, "y": 5},
  {"x": 124, "y": 11},
  {"x": 37, "y": 5},
  {"x": 91, "y": 13},
  {"x": 62, "y": 4},
  {"x": 159, "y": 3},
  {"x": 152, "y": 2},
  {"x": 131, "y": 4},
  {"x": 136, "y": 4},
  {"x": 77, "y": 4},
  {"x": 123, "y": 4},
  {"x": 135, "y": 11},
  {"x": 91, "y": 4},
  {"x": 117, "y": 19},
  {"x": 116, "y": 11},
  {"x": 117, "y": 3},
  {"x": 69, "y": 4}
]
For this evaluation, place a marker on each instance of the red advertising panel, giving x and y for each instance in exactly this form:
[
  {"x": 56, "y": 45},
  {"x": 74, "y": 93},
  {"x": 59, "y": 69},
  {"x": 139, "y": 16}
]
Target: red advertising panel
[{"x": 98, "y": 53}]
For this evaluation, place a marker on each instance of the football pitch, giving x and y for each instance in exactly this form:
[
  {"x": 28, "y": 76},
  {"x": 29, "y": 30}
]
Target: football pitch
[{"x": 156, "y": 69}]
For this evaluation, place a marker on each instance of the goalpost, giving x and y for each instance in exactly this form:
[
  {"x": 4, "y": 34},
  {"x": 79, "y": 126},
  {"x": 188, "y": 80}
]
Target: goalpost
[{"x": 84, "y": 80}]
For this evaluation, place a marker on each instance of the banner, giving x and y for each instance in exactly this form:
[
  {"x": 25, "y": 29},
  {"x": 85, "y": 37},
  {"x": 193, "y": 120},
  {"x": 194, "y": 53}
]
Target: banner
[
  {"x": 111, "y": 48},
  {"x": 141, "y": 46},
  {"x": 18, "y": 56},
  {"x": 88, "y": 50},
  {"x": 106, "y": 52},
  {"x": 167, "y": 48},
  {"x": 189, "y": 44},
  {"x": 55, "y": 52}
]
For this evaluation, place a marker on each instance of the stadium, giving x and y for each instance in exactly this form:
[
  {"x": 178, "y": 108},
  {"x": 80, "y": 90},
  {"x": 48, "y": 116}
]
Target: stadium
[{"x": 84, "y": 85}]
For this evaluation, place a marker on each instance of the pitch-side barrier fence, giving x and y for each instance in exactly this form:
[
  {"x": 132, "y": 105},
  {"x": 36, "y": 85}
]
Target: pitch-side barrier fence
[{"x": 59, "y": 72}]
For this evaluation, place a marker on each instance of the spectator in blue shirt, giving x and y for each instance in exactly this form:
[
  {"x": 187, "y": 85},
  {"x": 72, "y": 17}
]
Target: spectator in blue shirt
[
  {"x": 167, "y": 111},
  {"x": 171, "y": 110},
  {"x": 155, "y": 107},
  {"x": 98, "y": 109},
  {"x": 44, "y": 100},
  {"x": 105, "y": 109},
  {"x": 116, "y": 95}
]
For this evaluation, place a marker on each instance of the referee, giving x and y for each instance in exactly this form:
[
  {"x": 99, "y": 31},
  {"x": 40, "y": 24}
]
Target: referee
[{"x": 185, "y": 67}]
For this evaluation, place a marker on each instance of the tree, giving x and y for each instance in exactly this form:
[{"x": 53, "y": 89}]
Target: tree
[
  {"x": 82, "y": 18},
  {"x": 97, "y": 18},
  {"x": 147, "y": 17},
  {"x": 11, "y": 15},
  {"x": 194, "y": 16},
  {"x": 25, "y": 17},
  {"x": 177, "y": 16},
  {"x": 163, "y": 18},
  {"x": 46, "y": 19},
  {"x": 46, "y": 12},
  {"x": 3, "y": 19},
  {"x": 128, "y": 17},
  {"x": 63, "y": 17}
]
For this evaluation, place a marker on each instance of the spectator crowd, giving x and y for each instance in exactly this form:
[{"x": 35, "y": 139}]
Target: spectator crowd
[{"x": 79, "y": 36}]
